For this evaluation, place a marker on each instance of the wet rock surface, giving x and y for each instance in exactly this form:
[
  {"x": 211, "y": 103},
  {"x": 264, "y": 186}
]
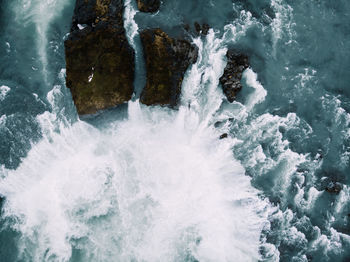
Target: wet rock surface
[
  {"x": 231, "y": 79},
  {"x": 99, "y": 59},
  {"x": 148, "y": 6},
  {"x": 167, "y": 60}
]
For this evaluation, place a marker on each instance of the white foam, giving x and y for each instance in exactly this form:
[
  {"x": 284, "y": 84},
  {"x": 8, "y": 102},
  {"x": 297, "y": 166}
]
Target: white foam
[
  {"x": 130, "y": 25},
  {"x": 2, "y": 120},
  {"x": 159, "y": 183},
  {"x": 329, "y": 244},
  {"x": 200, "y": 89},
  {"x": 340, "y": 123},
  {"x": 81, "y": 27},
  {"x": 237, "y": 29},
  {"x": 259, "y": 93},
  {"x": 8, "y": 47},
  {"x": 265, "y": 129},
  {"x": 3, "y": 91},
  {"x": 282, "y": 24}
]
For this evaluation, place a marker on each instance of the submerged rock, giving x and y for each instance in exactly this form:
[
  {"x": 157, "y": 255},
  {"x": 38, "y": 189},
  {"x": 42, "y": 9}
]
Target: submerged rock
[
  {"x": 167, "y": 60},
  {"x": 99, "y": 59},
  {"x": 231, "y": 79},
  {"x": 148, "y": 6},
  {"x": 334, "y": 187}
]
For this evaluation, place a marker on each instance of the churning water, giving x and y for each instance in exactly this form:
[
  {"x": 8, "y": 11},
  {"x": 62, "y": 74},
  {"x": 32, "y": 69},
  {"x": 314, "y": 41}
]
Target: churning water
[{"x": 139, "y": 183}]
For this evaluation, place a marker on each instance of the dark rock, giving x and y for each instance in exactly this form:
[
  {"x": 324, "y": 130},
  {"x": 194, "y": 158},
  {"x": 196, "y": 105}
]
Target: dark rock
[
  {"x": 197, "y": 27},
  {"x": 231, "y": 79},
  {"x": 99, "y": 59},
  {"x": 224, "y": 135},
  {"x": 148, "y": 6},
  {"x": 167, "y": 60},
  {"x": 205, "y": 29},
  {"x": 334, "y": 187}
]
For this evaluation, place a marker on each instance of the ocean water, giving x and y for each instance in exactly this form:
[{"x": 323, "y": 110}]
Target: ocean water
[{"x": 137, "y": 183}]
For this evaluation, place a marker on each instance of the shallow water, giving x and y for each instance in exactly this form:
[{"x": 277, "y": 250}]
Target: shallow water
[{"x": 138, "y": 183}]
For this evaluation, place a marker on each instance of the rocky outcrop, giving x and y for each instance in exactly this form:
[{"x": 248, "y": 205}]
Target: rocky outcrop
[
  {"x": 231, "y": 79},
  {"x": 148, "y": 6},
  {"x": 167, "y": 60},
  {"x": 201, "y": 29},
  {"x": 99, "y": 59}
]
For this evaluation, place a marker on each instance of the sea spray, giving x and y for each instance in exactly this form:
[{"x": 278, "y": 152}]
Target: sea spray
[{"x": 155, "y": 187}]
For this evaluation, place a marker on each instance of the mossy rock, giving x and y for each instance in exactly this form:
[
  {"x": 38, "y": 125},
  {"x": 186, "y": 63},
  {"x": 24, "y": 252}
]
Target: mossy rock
[
  {"x": 167, "y": 60},
  {"x": 99, "y": 59}
]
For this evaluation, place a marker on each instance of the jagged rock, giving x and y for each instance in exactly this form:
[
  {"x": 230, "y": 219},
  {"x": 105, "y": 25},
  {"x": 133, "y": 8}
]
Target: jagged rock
[
  {"x": 148, "y": 6},
  {"x": 231, "y": 79},
  {"x": 99, "y": 59},
  {"x": 167, "y": 60},
  {"x": 334, "y": 188}
]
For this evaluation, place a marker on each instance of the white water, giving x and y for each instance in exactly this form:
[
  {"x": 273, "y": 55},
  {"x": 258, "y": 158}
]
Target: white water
[
  {"x": 157, "y": 186},
  {"x": 3, "y": 92}
]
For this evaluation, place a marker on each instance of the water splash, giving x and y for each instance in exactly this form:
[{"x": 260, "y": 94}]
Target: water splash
[{"x": 158, "y": 186}]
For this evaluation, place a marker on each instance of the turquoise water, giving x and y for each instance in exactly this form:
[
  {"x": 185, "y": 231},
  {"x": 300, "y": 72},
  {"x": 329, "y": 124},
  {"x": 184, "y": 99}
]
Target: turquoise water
[{"x": 151, "y": 184}]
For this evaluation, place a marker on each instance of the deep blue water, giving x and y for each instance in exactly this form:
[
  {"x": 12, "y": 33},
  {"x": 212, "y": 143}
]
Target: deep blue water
[{"x": 289, "y": 130}]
